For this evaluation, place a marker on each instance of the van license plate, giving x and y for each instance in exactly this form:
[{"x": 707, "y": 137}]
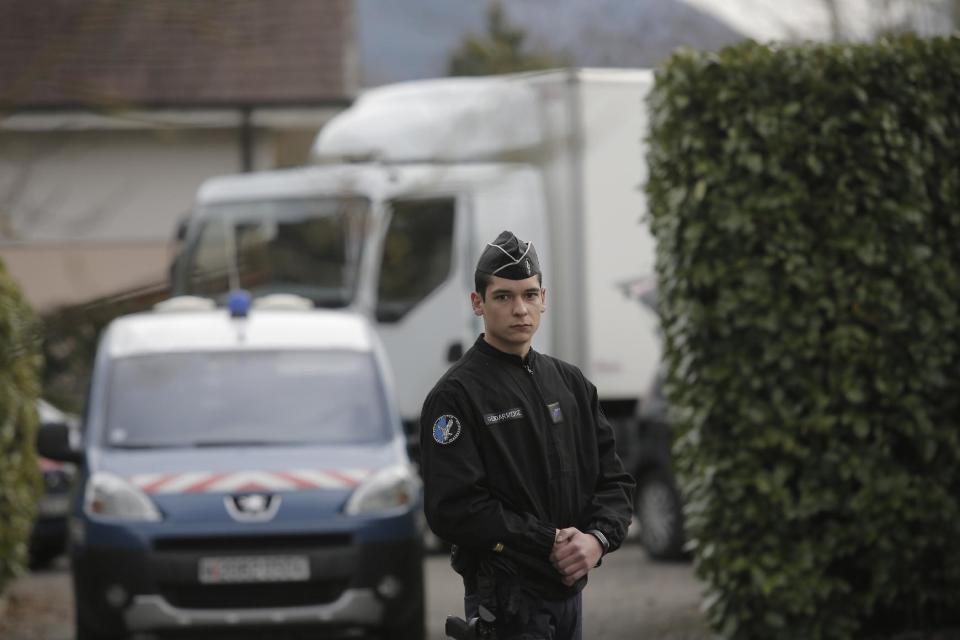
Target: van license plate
[{"x": 254, "y": 569}]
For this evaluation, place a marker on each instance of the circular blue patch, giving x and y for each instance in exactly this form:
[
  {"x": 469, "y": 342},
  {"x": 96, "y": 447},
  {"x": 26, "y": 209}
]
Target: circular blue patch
[{"x": 446, "y": 429}]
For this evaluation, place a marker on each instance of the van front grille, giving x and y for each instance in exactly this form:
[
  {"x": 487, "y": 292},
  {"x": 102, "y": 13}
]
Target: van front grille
[
  {"x": 229, "y": 544},
  {"x": 252, "y": 596}
]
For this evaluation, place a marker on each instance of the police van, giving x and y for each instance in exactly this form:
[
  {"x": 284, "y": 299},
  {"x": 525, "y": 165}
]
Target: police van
[{"x": 245, "y": 470}]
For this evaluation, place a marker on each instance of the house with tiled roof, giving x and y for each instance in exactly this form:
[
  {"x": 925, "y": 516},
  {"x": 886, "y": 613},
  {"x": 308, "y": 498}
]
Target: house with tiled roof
[{"x": 113, "y": 112}]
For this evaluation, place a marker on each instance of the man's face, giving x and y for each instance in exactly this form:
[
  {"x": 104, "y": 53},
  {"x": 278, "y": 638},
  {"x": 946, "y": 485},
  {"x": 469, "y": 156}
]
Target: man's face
[{"x": 511, "y": 312}]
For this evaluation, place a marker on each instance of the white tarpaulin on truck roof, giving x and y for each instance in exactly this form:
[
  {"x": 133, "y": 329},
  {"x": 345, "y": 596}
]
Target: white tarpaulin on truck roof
[{"x": 447, "y": 120}]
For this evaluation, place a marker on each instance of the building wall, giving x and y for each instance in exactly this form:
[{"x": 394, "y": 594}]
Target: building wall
[
  {"x": 55, "y": 274},
  {"x": 89, "y": 212}
]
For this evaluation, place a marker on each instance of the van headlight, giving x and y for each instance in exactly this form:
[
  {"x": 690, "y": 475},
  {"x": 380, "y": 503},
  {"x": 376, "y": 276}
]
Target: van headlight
[
  {"x": 111, "y": 497},
  {"x": 393, "y": 488}
]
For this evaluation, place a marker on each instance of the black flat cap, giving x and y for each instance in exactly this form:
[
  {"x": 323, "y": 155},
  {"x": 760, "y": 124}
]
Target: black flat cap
[{"x": 509, "y": 257}]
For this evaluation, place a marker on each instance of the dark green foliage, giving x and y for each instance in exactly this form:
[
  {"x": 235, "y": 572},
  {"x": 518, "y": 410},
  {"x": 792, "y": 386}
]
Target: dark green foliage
[
  {"x": 19, "y": 386},
  {"x": 503, "y": 49},
  {"x": 806, "y": 206},
  {"x": 71, "y": 335}
]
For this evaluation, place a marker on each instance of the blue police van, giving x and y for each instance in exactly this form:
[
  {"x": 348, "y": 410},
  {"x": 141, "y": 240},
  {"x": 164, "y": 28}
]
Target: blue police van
[{"x": 243, "y": 472}]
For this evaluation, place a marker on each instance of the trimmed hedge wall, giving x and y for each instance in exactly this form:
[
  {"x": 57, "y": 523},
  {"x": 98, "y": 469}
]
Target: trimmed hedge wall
[
  {"x": 20, "y": 364},
  {"x": 806, "y": 206}
]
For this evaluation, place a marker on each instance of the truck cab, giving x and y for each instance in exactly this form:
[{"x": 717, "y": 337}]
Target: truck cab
[
  {"x": 396, "y": 244},
  {"x": 405, "y": 189}
]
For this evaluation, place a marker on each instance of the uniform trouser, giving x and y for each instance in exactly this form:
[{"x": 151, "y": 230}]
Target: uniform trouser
[{"x": 522, "y": 615}]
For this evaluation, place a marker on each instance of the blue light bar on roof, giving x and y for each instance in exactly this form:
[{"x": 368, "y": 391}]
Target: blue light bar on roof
[{"x": 239, "y": 303}]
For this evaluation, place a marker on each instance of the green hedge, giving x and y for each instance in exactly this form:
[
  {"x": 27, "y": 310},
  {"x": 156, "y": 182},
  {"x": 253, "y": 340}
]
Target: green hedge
[
  {"x": 70, "y": 337},
  {"x": 19, "y": 385},
  {"x": 806, "y": 206}
]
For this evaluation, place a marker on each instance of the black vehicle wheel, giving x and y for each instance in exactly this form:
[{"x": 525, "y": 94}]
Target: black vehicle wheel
[
  {"x": 85, "y": 631},
  {"x": 413, "y": 630},
  {"x": 42, "y": 556},
  {"x": 660, "y": 513}
]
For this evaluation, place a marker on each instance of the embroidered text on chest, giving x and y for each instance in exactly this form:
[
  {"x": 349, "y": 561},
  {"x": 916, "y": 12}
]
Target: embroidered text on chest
[{"x": 503, "y": 416}]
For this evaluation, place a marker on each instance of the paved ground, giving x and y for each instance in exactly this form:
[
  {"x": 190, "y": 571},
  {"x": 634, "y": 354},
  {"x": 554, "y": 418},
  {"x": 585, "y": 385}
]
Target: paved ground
[
  {"x": 39, "y": 606},
  {"x": 629, "y": 598}
]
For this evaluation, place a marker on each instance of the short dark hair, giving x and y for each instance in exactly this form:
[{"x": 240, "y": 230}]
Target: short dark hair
[{"x": 481, "y": 281}]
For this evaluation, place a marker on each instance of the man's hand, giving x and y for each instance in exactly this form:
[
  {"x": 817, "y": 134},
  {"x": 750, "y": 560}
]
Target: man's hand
[{"x": 574, "y": 554}]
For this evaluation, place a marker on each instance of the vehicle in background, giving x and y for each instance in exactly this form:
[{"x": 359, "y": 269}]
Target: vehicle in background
[
  {"x": 647, "y": 452},
  {"x": 49, "y": 536},
  {"x": 413, "y": 180},
  {"x": 243, "y": 470},
  {"x": 657, "y": 499}
]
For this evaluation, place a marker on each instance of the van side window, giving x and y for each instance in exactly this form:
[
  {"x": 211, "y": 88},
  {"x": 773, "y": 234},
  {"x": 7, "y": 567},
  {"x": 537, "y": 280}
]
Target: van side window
[{"x": 417, "y": 254}]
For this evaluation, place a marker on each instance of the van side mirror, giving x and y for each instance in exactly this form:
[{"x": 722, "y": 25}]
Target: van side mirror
[{"x": 53, "y": 442}]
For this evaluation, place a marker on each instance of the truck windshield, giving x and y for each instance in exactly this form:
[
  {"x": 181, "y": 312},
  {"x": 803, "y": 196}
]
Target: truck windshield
[
  {"x": 308, "y": 247},
  {"x": 245, "y": 398}
]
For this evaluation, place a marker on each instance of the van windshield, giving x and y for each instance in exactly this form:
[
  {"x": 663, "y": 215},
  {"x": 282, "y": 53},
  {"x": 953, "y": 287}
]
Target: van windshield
[
  {"x": 245, "y": 398},
  {"x": 310, "y": 247}
]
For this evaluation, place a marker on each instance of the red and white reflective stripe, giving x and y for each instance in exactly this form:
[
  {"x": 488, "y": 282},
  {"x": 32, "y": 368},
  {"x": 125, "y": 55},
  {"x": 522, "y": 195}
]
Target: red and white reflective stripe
[{"x": 208, "y": 482}]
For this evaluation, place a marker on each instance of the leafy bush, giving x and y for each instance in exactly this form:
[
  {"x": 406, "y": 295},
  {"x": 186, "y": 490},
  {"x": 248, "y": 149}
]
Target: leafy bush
[
  {"x": 70, "y": 337},
  {"x": 19, "y": 385},
  {"x": 806, "y": 206}
]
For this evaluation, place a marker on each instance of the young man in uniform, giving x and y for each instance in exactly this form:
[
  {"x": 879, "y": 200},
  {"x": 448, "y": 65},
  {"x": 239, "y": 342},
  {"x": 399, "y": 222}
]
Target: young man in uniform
[{"x": 518, "y": 462}]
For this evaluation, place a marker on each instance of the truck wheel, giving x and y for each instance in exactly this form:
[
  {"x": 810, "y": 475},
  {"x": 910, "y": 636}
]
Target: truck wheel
[{"x": 660, "y": 513}]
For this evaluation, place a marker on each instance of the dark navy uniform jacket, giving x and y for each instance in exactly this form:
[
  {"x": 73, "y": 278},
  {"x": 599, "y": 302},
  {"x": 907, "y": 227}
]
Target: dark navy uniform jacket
[{"x": 512, "y": 450}]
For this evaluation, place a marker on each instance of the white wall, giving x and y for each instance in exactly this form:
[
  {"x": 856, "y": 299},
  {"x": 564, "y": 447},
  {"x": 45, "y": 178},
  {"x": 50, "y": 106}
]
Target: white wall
[
  {"x": 115, "y": 186},
  {"x": 91, "y": 212}
]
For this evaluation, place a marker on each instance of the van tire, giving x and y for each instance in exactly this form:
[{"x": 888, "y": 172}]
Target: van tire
[
  {"x": 410, "y": 632},
  {"x": 86, "y": 634},
  {"x": 660, "y": 514}
]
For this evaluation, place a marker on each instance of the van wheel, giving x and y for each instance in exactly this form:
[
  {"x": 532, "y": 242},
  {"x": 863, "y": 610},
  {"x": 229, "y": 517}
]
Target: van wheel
[
  {"x": 413, "y": 630},
  {"x": 660, "y": 514},
  {"x": 84, "y": 632},
  {"x": 41, "y": 557}
]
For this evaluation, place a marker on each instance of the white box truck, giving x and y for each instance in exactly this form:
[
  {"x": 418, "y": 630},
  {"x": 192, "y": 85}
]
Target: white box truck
[{"x": 409, "y": 184}]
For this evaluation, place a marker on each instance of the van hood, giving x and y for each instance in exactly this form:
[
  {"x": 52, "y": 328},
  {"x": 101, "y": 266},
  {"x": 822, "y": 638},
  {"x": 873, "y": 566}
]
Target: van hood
[{"x": 233, "y": 469}]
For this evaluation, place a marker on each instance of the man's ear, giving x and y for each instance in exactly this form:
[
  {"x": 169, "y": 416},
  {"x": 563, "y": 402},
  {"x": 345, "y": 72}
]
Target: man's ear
[
  {"x": 543, "y": 300},
  {"x": 477, "y": 303}
]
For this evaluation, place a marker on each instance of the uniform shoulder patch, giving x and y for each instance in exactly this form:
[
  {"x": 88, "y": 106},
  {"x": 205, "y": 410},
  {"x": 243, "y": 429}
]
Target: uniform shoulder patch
[{"x": 446, "y": 429}]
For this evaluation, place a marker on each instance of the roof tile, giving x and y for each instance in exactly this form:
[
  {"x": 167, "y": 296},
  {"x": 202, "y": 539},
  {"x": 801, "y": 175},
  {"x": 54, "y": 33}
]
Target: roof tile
[{"x": 121, "y": 53}]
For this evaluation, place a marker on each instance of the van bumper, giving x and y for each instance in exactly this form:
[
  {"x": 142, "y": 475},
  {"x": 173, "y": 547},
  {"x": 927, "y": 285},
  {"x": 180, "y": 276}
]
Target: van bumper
[
  {"x": 365, "y": 585},
  {"x": 355, "y": 607}
]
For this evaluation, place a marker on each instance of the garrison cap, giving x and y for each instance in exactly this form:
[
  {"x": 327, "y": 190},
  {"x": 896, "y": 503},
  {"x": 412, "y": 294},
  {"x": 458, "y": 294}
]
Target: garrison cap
[{"x": 509, "y": 257}]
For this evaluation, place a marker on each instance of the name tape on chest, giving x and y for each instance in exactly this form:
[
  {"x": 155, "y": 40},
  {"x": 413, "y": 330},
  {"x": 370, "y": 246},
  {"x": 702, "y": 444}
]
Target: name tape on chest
[{"x": 503, "y": 416}]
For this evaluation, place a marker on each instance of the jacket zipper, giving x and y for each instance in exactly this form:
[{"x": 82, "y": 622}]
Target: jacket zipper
[{"x": 551, "y": 428}]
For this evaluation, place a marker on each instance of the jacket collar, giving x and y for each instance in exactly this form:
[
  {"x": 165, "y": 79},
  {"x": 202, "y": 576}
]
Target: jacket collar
[{"x": 488, "y": 349}]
